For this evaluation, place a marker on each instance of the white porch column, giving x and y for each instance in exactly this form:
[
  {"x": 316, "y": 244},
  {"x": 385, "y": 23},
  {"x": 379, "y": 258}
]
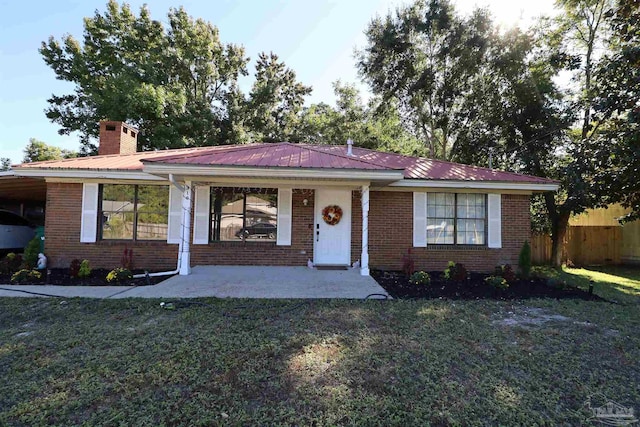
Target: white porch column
[
  {"x": 185, "y": 232},
  {"x": 364, "y": 258}
]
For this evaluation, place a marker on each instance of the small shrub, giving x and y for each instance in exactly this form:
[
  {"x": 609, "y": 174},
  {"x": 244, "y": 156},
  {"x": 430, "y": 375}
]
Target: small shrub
[
  {"x": 119, "y": 274},
  {"x": 497, "y": 282},
  {"x": 408, "y": 266},
  {"x": 31, "y": 251},
  {"x": 506, "y": 272},
  {"x": 455, "y": 272},
  {"x": 10, "y": 263},
  {"x": 420, "y": 278},
  {"x": 85, "y": 269},
  {"x": 126, "y": 261},
  {"x": 524, "y": 259},
  {"x": 26, "y": 275},
  {"x": 74, "y": 268}
]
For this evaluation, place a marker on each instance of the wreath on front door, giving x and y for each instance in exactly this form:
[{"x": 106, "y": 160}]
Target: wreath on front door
[{"x": 332, "y": 214}]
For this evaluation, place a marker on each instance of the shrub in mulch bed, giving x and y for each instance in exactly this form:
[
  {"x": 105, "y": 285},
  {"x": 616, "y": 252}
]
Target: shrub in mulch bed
[
  {"x": 97, "y": 277},
  {"x": 397, "y": 285}
]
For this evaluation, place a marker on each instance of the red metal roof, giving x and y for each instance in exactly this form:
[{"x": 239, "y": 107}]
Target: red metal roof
[
  {"x": 288, "y": 155},
  {"x": 276, "y": 155}
]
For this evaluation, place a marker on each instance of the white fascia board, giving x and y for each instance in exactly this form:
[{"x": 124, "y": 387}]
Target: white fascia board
[
  {"x": 476, "y": 185},
  {"x": 86, "y": 174},
  {"x": 241, "y": 171}
]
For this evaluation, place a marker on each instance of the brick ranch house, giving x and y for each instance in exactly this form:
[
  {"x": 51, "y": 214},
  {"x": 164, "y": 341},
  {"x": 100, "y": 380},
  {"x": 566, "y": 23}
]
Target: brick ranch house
[{"x": 278, "y": 204}]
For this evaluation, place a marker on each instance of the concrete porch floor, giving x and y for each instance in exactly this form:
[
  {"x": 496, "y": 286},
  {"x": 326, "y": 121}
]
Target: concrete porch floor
[{"x": 261, "y": 282}]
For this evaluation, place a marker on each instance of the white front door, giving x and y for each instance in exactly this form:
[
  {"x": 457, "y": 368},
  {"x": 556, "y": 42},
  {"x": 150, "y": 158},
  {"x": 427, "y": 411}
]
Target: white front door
[{"x": 332, "y": 243}]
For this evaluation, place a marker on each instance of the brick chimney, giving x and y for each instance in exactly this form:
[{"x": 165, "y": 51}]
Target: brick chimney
[{"x": 117, "y": 138}]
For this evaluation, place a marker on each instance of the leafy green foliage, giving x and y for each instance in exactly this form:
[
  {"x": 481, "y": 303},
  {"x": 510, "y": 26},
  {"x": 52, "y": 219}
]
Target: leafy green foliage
[
  {"x": 497, "y": 282},
  {"x": 617, "y": 102},
  {"x": 38, "y": 151},
  {"x": 425, "y": 57},
  {"x": 85, "y": 269},
  {"x": 31, "y": 251},
  {"x": 275, "y": 101},
  {"x": 10, "y": 263},
  {"x": 524, "y": 259},
  {"x": 506, "y": 272},
  {"x": 172, "y": 82},
  {"x": 420, "y": 278},
  {"x": 26, "y": 275},
  {"x": 456, "y": 272},
  {"x": 5, "y": 163},
  {"x": 119, "y": 274}
]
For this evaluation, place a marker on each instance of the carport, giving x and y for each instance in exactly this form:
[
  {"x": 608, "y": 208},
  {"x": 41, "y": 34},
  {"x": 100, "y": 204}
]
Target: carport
[{"x": 24, "y": 196}]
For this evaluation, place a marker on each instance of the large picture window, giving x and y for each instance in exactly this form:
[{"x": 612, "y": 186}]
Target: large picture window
[
  {"x": 244, "y": 214},
  {"x": 456, "y": 219},
  {"x": 134, "y": 212}
]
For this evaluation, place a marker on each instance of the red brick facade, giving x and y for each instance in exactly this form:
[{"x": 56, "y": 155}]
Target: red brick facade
[{"x": 390, "y": 236}]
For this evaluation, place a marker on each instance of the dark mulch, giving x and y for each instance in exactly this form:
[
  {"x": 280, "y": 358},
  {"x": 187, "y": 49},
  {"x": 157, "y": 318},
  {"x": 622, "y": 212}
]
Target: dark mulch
[
  {"x": 397, "y": 285},
  {"x": 98, "y": 277}
]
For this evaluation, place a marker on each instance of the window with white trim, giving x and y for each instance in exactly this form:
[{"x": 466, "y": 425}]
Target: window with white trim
[
  {"x": 133, "y": 212},
  {"x": 244, "y": 214},
  {"x": 456, "y": 219}
]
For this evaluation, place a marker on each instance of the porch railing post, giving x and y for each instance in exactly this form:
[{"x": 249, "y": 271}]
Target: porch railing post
[{"x": 364, "y": 258}]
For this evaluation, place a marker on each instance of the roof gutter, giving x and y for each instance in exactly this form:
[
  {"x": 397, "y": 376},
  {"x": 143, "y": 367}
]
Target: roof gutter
[
  {"x": 272, "y": 172},
  {"x": 479, "y": 185}
]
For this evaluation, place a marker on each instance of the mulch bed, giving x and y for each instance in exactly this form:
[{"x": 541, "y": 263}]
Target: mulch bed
[
  {"x": 98, "y": 277},
  {"x": 397, "y": 285}
]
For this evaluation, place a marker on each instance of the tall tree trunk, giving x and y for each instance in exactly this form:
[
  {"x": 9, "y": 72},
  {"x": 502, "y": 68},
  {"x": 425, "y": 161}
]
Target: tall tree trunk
[
  {"x": 559, "y": 224},
  {"x": 559, "y": 227}
]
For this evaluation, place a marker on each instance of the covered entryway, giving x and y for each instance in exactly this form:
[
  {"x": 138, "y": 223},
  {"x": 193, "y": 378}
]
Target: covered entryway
[
  {"x": 263, "y": 282},
  {"x": 332, "y": 239}
]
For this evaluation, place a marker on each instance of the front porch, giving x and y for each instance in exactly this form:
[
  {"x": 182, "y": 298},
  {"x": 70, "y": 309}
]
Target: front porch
[{"x": 262, "y": 282}]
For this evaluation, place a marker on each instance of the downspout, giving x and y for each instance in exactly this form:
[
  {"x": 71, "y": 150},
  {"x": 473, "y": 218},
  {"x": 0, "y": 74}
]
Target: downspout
[{"x": 183, "y": 238}]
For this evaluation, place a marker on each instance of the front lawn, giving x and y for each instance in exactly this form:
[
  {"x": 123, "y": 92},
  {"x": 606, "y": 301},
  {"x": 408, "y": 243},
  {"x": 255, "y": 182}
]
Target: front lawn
[{"x": 233, "y": 362}]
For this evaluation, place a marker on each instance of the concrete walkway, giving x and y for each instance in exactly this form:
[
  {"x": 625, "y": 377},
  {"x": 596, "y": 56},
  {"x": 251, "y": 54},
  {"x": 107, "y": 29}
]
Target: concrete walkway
[{"x": 228, "y": 281}]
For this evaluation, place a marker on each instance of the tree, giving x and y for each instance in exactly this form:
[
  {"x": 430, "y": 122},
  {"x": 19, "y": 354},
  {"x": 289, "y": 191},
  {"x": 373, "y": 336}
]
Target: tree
[
  {"x": 425, "y": 57},
  {"x": 38, "y": 151},
  {"x": 618, "y": 102},
  {"x": 5, "y": 164},
  {"x": 174, "y": 84},
  {"x": 275, "y": 101},
  {"x": 375, "y": 125}
]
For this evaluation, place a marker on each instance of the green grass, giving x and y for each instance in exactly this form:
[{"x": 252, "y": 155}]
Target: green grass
[
  {"x": 621, "y": 284},
  {"x": 233, "y": 362}
]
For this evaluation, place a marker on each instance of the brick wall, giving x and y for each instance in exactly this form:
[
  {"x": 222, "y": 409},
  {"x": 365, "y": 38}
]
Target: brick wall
[
  {"x": 391, "y": 235},
  {"x": 117, "y": 138},
  {"x": 62, "y": 244}
]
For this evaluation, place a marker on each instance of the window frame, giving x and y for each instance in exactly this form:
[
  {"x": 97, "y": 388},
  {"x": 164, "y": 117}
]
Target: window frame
[
  {"x": 135, "y": 212},
  {"x": 455, "y": 221},
  {"x": 212, "y": 207}
]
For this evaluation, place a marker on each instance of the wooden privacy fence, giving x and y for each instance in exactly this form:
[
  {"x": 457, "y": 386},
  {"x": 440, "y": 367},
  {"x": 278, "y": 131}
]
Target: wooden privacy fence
[{"x": 584, "y": 245}]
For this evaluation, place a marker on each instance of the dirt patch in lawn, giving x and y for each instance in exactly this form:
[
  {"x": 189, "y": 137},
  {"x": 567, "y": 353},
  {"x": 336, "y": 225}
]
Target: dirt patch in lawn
[
  {"x": 98, "y": 277},
  {"x": 398, "y": 286}
]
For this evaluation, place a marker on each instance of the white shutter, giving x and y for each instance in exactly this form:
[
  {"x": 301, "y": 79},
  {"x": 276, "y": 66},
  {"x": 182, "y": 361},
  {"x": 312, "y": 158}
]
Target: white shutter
[
  {"x": 419, "y": 219},
  {"x": 494, "y": 210},
  {"x": 89, "y": 220},
  {"x": 175, "y": 214},
  {"x": 284, "y": 217},
  {"x": 201, "y": 216}
]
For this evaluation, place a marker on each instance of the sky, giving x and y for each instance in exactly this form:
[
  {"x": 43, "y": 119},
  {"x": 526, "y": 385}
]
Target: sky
[{"x": 314, "y": 38}]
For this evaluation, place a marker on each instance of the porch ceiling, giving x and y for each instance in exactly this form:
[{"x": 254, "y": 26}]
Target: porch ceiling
[{"x": 23, "y": 189}]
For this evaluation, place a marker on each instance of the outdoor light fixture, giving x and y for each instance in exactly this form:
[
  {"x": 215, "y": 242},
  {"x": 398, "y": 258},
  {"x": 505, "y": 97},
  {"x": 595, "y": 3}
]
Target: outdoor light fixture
[{"x": 305, "y": 202}]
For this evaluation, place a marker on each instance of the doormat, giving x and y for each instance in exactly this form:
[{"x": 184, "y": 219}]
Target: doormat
[{"x": 331, "y": 267}]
